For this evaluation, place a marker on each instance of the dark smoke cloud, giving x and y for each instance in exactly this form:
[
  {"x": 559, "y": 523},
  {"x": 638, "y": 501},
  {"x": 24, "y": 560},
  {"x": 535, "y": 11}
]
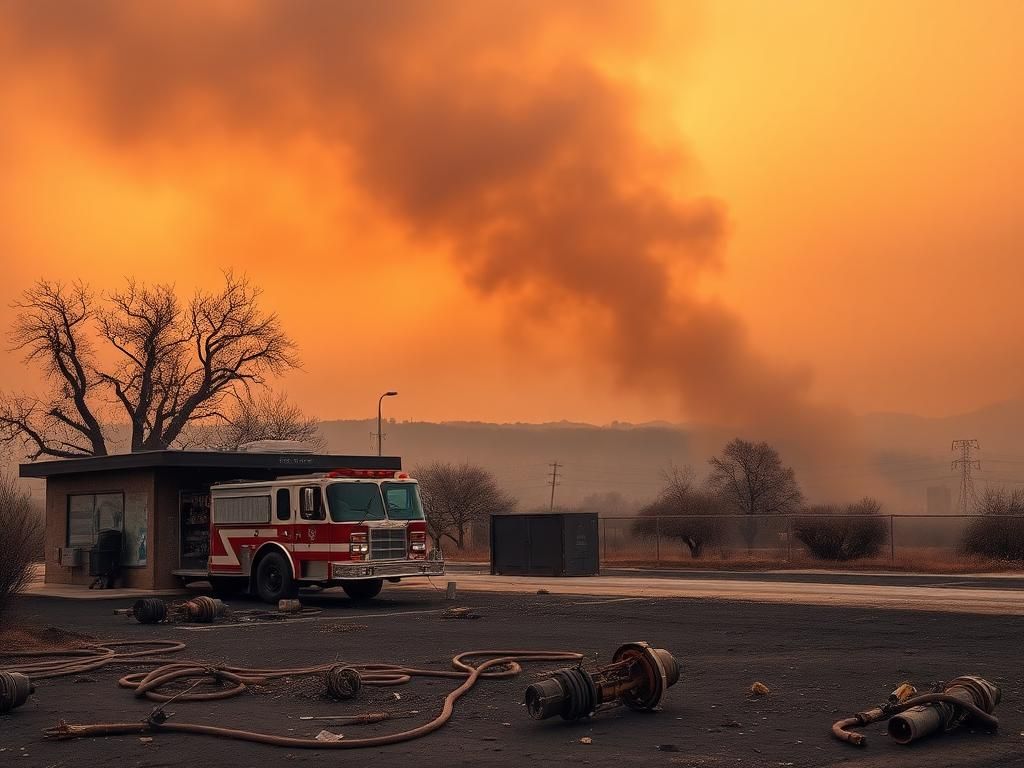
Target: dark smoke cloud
[{"x": 486, "y": 125}]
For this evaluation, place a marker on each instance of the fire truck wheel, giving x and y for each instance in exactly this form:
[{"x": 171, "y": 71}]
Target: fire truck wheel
[
  {"x": 364, "y": 589},
  {"x": 274, "y": 578}
]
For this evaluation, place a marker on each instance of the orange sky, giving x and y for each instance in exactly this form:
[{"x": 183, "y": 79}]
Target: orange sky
[{"x": 488, "y": 206}]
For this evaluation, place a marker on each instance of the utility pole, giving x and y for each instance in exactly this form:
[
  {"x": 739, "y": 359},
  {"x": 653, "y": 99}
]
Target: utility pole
[
  {"x": 968, "y": 498},
  {"x": 554, "y": 481},
  {"x": 380, "y": 422}
]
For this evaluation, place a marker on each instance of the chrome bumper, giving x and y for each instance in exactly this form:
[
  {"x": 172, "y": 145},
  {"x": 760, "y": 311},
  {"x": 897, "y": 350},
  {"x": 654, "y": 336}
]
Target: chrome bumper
[{"x": 372, "y": 570}]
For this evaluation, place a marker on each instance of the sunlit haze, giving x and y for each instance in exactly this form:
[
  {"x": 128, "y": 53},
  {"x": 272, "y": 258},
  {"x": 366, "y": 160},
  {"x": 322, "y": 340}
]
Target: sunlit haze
[{"x": 533, "y": 211}]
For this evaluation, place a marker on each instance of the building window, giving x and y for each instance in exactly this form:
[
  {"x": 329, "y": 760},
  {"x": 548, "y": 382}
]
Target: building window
[{"x": 89, "y": 513}]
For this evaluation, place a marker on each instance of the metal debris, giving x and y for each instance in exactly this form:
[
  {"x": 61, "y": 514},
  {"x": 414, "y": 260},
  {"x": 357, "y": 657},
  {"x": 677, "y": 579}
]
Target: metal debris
[
  {"x": 342, "y": 682},
  {"x": 148, "y": 610},
  {"x": 910, "y": 716},
  {"x": 15, "y": 688},
  {"x": 289, "y": 605},
  {"x": 638, "y": 677}
]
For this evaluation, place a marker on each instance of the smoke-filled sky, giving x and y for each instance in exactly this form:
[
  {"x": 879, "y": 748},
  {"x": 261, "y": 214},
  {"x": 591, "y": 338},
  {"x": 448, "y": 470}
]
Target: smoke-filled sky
[{"x": 745, "y": 213}]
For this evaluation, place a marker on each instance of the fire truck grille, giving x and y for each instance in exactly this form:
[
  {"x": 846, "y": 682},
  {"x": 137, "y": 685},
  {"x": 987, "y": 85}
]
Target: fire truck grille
[{"x": 387, "y": 544}]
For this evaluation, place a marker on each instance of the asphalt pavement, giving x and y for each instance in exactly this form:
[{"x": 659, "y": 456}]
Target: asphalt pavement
[{"x": 821, "y": 662}]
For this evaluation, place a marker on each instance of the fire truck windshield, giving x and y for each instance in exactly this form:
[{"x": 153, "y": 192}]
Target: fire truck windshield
[
  {"x": 403, "y": 501},
  {"x": 354, "y": 502}
]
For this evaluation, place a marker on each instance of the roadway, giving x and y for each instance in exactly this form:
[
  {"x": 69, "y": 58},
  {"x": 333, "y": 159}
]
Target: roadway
[{"x": 973, "y": 593}]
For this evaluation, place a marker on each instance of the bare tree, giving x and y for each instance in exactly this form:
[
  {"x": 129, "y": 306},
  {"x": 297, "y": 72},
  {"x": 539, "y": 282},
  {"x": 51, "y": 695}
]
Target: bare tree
[
  {"x": 751, "y": 479},
  {"x": 21, "y": 532},
  {"x": 174, "y": 365},
  {"x": 266, "y": 416},
  {"x": 51, "y": 328},
  {"x": 457, "y": 495},
  {"x": 685, "y": 512}
]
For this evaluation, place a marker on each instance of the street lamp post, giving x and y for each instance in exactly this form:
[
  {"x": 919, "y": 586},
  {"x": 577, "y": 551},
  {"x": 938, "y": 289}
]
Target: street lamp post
[{"x": 380, "y": 433}]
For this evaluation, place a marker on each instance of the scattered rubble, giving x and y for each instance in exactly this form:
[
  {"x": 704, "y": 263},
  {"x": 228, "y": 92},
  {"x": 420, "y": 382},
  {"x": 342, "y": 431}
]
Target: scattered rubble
[{"x": 461, "y": 613}]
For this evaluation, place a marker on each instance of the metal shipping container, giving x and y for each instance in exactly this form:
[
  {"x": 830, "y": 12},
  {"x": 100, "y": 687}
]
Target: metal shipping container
[{"x": 545, "y": 545}]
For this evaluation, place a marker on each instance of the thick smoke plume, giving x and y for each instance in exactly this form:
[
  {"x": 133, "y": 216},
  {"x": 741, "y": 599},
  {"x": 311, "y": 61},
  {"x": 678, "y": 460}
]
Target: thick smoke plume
[{"x": 494, "y": 128}]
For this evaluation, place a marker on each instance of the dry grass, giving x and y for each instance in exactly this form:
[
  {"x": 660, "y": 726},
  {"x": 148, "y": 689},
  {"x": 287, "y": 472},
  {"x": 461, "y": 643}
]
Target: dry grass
[{"x": 468, "y": 555}]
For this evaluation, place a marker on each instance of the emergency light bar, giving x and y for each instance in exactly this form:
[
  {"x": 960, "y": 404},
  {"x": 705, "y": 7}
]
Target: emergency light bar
[{"x": 374, "y": 473}]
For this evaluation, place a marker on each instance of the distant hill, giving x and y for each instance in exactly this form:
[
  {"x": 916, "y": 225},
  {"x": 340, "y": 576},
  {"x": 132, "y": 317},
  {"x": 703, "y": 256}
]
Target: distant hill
[
  {"x": 623, "y": 458},
  {"x": 905, "y": 455}
]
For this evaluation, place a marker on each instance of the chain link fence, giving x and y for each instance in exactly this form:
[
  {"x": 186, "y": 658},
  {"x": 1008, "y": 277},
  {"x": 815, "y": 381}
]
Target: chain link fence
[{"x": 911, "y": 542}]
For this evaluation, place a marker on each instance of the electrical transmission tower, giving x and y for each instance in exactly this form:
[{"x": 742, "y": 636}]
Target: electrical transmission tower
[
  {"x": 554, "y": 481},
  {"x": 968, "y": 498}
]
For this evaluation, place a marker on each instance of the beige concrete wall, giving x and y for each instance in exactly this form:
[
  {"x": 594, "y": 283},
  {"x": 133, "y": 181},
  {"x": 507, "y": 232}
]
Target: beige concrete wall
[{"x": 127, "y": 481}]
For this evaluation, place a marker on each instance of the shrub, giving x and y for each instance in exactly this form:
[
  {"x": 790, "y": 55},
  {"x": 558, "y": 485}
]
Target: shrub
[
  {"x": 999, "y": 533},
  {"x": 842, "y": 533},
  {"x": 21, "y": 540}
]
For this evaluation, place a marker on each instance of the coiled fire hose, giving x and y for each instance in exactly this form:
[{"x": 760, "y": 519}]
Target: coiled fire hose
[
  {"x": 87, "y": 658},
  {"x": 911, "y": 716},
  {"x": 370, "y": 674}
]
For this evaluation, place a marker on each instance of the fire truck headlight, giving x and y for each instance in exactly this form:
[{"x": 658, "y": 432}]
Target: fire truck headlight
[{"x": 418, "y": 546}]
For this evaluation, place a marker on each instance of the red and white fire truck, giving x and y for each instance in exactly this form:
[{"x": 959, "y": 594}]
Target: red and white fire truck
[{"x": 351, "y": 528}]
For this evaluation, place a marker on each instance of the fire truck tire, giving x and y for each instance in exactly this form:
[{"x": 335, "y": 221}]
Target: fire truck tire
[
  {"x": 364, "y": 589},
  {"x": 274, "y": 578}
]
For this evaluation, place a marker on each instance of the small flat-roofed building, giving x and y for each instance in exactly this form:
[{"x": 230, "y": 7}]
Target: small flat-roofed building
[{"x": 160, "y": 500}]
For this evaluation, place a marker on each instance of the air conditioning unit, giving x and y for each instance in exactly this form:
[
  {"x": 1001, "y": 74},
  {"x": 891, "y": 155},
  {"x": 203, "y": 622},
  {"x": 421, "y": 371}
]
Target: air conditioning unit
[{"x": 69, "y": 557}]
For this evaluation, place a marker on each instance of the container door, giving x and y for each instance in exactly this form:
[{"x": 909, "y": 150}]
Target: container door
[
  {"x": 510, "y": 545},
  {"x": 581, "y": 545},
  {"x": 545, "y": 537}
]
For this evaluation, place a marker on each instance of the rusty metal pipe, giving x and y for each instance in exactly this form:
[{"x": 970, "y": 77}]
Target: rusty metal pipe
[
  {"x": 638, "y": 677},
  {"x": 910, "y": 718}
]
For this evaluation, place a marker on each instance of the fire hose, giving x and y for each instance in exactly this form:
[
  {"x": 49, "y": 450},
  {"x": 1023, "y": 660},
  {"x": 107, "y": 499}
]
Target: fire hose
[
  {"x": 637, "y": 677},
  {"x": 912, "y": 716},
  {"x": 87, "y": 658},
  {"x": 370, "y": 674}
]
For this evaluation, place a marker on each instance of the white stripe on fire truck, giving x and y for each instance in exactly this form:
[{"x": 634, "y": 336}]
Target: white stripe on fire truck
[{"x": 227, "y": 534}]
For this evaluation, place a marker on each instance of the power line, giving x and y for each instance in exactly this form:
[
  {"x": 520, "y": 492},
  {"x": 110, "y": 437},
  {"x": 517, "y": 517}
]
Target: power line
[
  {"x": 554, "y": 481},
  {"x": 968, "y": 497}
]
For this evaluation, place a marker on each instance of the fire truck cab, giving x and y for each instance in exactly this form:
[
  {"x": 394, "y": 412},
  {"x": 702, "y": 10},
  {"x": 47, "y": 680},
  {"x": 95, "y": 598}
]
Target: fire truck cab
[{"x": 351, "y": 528}]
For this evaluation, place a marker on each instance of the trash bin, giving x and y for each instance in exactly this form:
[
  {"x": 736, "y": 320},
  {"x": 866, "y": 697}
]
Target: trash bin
[{"x": 105, "y": 556}]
